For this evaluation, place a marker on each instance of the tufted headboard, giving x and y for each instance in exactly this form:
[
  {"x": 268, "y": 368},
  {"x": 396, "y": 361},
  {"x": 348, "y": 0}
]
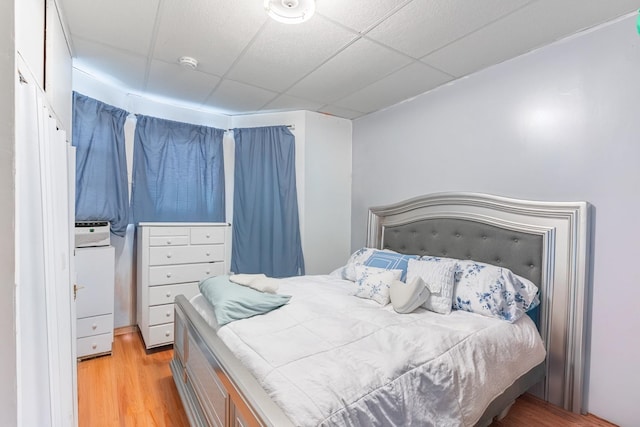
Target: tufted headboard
[{"x": 545, "y": 242}]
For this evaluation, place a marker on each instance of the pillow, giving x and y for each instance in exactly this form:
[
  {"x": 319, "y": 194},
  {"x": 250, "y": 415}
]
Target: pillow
[
  {"x": 390, "y": 261},
  {"x": 357, "y": 258},
  {"x": 374, "y": 283},
  {"x": 231, "y": 301},
  {"x": 406, "y": 297},
  {"x": 438, "y": 275},
  {"x": 493, "y": 291}
]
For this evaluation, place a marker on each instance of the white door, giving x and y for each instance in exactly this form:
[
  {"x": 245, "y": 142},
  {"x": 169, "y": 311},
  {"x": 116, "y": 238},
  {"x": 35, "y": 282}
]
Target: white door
[{"x": 45, "y": 319}]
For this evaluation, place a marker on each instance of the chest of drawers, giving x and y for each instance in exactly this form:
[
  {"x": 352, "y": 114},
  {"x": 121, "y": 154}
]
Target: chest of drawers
[{"x": 172, "y": 259}]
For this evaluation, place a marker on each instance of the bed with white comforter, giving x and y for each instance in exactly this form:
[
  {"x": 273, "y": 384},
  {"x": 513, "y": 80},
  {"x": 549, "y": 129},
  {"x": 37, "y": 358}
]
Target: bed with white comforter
[{"x": 330, "y": 358}]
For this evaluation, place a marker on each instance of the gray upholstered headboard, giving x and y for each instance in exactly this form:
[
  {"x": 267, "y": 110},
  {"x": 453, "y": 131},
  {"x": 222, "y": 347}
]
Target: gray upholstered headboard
[
  {"x": 467, "y": 239},
  {"x": 545, "y": 242}
]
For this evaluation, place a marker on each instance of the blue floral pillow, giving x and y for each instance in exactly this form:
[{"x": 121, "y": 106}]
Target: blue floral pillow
[
  {"x": 357, "y": 258},
  {"x": 375, "y": 283},
  {"x": 492, "y": 291}
]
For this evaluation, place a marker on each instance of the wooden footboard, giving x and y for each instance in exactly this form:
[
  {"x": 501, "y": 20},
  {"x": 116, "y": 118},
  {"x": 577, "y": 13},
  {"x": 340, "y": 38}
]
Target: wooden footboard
[{"x": 215, "y": 388}]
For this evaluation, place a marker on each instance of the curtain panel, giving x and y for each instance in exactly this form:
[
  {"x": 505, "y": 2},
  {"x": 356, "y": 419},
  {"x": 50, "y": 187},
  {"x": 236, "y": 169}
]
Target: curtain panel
[
  {"x": 266, "y": 229},
  {"x": 178, "y": 172},
  {"x": 102, "y": 191}
]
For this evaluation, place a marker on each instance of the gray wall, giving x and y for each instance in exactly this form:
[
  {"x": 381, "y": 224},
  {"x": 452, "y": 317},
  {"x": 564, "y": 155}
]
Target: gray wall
[
  {"x": 560, "y": 123},
  {"x": 8, "y": 391}
]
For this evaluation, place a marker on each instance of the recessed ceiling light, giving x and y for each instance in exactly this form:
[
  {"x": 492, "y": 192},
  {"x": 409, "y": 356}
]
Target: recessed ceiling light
[
  {"x": 290, "y": 11},
  {"x": 188, "y": 62}
]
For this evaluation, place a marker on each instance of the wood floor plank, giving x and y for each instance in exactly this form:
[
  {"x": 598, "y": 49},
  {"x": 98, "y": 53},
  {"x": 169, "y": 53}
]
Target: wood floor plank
[{"x": 134, "y": 388}]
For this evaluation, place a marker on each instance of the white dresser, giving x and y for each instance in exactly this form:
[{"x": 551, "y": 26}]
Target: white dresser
[
  {"x": 95, "y": 282},
  {"x": 172, "y": 259}
]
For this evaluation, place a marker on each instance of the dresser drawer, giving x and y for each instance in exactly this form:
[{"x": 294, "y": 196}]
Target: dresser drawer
[
  {"x": 159, "y": 314},
  {"x": 207, "y": 235},
  {"x": 160, "y": 334},
  {"x": 168, "y": 231},
  {"x": 181, "y": 273},
  {"x": 169, "y": 241},
  {"x": 97, "y": 344},
  {"x": 185, "y": 254},
  {"x": 94, "y": 325},
  {"x": 165, "y": 294}
]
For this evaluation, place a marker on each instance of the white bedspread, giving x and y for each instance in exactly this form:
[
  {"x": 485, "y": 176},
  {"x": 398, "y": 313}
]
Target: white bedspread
[{"x": 328, "y": 358}]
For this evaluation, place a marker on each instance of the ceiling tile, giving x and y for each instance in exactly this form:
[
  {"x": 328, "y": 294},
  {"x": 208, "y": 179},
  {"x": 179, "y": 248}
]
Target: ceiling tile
[
  {"x": 359, "y": 65},
  {"x": 214, "y": 32},
  {"x": 406, "y": 83},
  {"x": 235, "y": 97},
  {"x": 123, "y": 69},
  {"x": 346, "y": 113},
  {"x": 426, "y": 25},
  {"x": 286, "y": 102},
  {"x": 358, "y": 15},
  {"x": 534, "y": 26},
  {"x": 125, "y": 24},
  {"x": 283, "y": 54},
  {"x": 173, "y": 80}
]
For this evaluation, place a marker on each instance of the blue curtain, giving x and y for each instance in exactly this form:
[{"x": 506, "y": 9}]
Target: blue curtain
[
  {"x": 102, "y": 191},
  {"x": 178, "y": 172},
  {"x": 266, "y": 229}
]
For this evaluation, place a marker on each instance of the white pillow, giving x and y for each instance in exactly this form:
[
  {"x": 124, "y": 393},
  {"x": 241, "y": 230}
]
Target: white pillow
[
  {"x": 406, "y": 297},
  {"x": 438, "y": 275},
  {"x": 493, "y": 291},
  {"x": 374, "y": 283}
]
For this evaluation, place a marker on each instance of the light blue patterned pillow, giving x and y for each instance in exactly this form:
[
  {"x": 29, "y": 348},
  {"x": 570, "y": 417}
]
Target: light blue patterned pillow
[
  {"x": 375, "y": 283},
  {"x": 357, "y": 258},
  {"x": 493, "y": 291},
  {"x": 390, "y": 261}
]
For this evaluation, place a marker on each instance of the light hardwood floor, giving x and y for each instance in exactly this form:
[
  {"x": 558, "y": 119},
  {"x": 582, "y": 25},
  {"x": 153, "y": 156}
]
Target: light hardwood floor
[{"x": 135, "y": 388}]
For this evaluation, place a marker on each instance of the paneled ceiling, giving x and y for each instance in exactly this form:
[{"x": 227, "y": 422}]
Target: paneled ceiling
[{"x": 353, "y": 57}]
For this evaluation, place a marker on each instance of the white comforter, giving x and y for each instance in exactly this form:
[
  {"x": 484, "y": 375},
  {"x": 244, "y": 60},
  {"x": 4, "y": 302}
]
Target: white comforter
[{"x": 328, "y": 358}]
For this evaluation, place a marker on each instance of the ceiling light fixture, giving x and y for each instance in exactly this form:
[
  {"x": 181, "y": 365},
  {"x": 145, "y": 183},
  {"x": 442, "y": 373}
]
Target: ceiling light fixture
[
  {"x": 188, "y": 62},
  {"x": 290, "y": 11}
]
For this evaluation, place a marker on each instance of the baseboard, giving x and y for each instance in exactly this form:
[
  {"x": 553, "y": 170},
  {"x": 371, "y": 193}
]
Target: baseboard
[{"x": 125, "y": 330}]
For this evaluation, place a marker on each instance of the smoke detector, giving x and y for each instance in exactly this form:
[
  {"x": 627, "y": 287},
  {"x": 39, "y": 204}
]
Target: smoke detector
[
  {"x": 188, "y": 62},
  {"x": 290, "y": 11}
]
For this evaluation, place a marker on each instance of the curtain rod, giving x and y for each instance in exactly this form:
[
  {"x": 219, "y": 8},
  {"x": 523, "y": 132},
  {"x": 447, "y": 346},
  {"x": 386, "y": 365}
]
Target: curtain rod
[{"x": 292, "y": 127}]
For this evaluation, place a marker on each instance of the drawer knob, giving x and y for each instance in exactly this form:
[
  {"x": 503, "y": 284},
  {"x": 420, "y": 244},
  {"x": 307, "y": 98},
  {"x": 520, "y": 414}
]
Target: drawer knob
[
  {"x": 169, "y": 255},
  {"x": 208, "y": 235},
  {"x": 168, "y": 242},
  {"x": 207, "y": 272},
  {"x": 166, "y": 334},
  {"x": 168, "y": 294},
  {"x": 168, "y": 274},
  {"x": 168, "y": 314},
  {"x": 94, "y": 346},
  {"x": 94, "y": 326},
  {"x": 208, "y": 253}
]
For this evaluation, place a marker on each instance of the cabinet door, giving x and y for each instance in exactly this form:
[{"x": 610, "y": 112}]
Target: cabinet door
[{"x": 95, "y": 269}]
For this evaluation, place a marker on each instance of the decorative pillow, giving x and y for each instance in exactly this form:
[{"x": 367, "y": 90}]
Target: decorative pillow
[
  {"x": 374, "y": 283},
  {"x": 390, "y": 261},
  {"x": 437, "y": 274},
  {"x": 493, "y": 291},
  {"x": 406, "y": 297},
  {"x": 231, "y": 301},
  {"x": 357, "y": 258}
]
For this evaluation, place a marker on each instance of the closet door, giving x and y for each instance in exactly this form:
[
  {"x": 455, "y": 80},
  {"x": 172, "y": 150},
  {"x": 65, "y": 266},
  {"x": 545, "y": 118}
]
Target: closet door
[{"x": 43, "y": 263}]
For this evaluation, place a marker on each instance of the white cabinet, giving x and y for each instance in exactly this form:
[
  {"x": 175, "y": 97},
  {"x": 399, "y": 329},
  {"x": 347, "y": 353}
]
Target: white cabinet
[
  {"x": 172, "y": 259},
  {"x": 95, "y": 281}
]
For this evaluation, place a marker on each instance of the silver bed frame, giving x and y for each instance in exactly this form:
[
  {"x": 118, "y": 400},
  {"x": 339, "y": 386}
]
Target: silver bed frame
[{"x": 547, "y": 242}]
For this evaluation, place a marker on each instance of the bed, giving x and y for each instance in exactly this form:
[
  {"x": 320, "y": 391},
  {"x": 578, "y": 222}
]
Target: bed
[{"x": 544, "y": 242}]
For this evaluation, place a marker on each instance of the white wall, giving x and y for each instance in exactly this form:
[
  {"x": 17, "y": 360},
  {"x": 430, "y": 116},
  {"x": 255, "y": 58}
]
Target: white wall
[
  {"x": 560, "y": 123},
  {"x": 8, "y": 384},
  {"x": 58, "y": 67}
]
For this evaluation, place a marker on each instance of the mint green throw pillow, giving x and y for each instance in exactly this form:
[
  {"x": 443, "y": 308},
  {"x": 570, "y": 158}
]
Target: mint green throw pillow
[{"x": 231, "y": 301}]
